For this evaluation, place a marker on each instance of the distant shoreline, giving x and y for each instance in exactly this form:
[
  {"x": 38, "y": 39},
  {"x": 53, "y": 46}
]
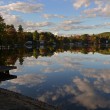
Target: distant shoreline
[{"x": 14, "y": 101}]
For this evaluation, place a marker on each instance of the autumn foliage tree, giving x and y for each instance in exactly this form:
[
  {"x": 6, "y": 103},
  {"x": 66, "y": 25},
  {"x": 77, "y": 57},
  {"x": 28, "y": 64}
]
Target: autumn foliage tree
[{"x": 2, "y": 29}]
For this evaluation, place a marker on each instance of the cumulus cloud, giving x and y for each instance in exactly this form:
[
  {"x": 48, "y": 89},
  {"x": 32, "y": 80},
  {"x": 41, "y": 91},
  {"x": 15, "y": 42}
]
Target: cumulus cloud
[
  {"x": 77, "y": 27},
  {"x": 47, "y": 16},
  {"x": 105, "y": 10},
  {"x": 92, "y": 11},
  {"x": 71, "y": 25},
  {"x": 12, "y": 19},
  {"x": 79, "y": 3},
  {"x": 23, "y": 7},
  {"x": 101, "y": 7},
  {"x": 27, "y": 25},
  {"x": 32, "y": 26},
  {"x": 40, "y": 24},
  {"x": 70, "y": 22}
]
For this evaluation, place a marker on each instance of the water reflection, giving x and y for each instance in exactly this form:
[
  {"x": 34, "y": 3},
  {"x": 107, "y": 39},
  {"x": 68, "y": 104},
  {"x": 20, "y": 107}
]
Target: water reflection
[
  {"x": 29, "y": 80},
  {"x": 9, "y": 57},
  {"x": 68, "y": 78}
]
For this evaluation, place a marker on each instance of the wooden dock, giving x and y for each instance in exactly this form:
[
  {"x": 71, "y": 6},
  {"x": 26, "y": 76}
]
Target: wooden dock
[
  {"x": 7, "y": 68},
  {"x": 4, "y": 73}
]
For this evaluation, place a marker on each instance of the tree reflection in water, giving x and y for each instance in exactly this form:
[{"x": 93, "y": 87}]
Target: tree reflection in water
[{"x": 9, "y": 57}]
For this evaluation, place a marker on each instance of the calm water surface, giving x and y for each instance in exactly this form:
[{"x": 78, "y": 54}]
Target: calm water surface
[{"x": 72, "y": 81}]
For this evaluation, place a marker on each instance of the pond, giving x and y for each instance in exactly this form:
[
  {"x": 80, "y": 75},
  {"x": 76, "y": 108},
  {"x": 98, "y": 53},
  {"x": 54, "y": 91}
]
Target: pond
[{"x": 69, "y": 79}]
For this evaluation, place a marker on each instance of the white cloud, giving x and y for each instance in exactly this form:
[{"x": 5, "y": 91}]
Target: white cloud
[
  {"x": 40, "y": 24},
  {"x": 12, "y": 19},
  {"x": 105, "y": 10},
  {"x": 92, "y": 11},
  {"x": 70, "y": 22},
  {"x": 101, "y": 8},
  {"x": 23, "y": 7},
  {"x": 47, "y": 16},
  {"x": 79, "y": 3},
  {"x": 27, "y": 25},
  {"x": 97, "y": 8},
  {"x": 99, "y": 2},
  {"x": 77, "y": 27}
]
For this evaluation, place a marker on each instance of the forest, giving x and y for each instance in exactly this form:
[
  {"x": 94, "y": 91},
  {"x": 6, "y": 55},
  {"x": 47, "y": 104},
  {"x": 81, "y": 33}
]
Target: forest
[{"x": 10, "y": 36}]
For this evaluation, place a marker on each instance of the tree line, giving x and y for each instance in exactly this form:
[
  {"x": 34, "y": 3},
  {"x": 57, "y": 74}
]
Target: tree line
[{"x": 9, "y": 36}]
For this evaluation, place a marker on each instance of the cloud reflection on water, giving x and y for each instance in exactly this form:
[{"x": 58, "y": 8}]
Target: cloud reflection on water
[
  {"x": 82, "y": 92},
  {"x": 29, "y": 80}
]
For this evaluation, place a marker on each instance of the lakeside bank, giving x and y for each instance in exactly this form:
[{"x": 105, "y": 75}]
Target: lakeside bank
[{"x": 10, "y": 100}]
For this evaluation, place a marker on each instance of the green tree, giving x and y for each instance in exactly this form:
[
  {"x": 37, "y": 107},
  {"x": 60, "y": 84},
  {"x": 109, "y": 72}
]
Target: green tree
[
  {"x": 11, "y": 34},
  {"x": 20, "y": 35},
  {"x": 35, "y": 36},
  {"x": 20, "y": 28},
  {"x": 42, "y": 37},
  {"x": 2, "y": 25},
  {"x": 2, "y": 29}
]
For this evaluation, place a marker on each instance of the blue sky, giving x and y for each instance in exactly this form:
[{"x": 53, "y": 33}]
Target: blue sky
[{"x": 63, "y": 17}]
